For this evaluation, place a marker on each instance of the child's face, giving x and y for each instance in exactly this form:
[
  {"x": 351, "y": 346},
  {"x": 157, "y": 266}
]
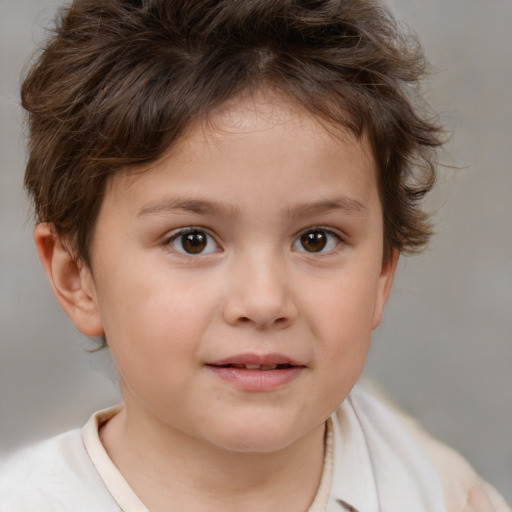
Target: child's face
[{"x": 257, "y": 241}]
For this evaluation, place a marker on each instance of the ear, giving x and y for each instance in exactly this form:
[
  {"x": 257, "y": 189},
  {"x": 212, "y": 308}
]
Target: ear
[
  {"x": 386, "y": 277},
  {"x": 71, "y": 281}
]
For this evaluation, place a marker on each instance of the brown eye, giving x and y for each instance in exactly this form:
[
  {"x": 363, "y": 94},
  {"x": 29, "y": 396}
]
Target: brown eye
[
  {"x": 193, "y": 241},
  {"x": 316, "y": 241}
]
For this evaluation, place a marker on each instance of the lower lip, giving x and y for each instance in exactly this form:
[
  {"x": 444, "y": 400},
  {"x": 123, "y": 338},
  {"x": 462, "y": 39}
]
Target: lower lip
[{"x": 257, "y": 380}]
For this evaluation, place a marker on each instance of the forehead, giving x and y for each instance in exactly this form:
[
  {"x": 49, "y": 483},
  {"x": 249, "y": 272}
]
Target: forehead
[
  {"x": 257, "y": 111},
  {"x": 263, "y": 138}
]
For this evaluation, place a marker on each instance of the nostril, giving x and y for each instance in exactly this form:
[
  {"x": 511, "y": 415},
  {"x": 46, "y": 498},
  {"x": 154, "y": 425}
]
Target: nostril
[{"x": 278, "y": 322}]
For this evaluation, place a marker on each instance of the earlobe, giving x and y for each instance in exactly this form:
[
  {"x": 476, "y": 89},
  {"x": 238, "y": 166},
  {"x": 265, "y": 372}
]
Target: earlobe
[
  {"x": 384, "y": 287},
  {"x": 72, "y": 284}
]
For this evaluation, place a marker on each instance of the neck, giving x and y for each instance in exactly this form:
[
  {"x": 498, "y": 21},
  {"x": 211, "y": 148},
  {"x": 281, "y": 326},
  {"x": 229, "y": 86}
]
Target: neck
[{"x": 170, "y": 466}]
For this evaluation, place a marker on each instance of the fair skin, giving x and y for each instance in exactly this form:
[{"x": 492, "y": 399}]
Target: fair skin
[{"x": 256, "y": 241}]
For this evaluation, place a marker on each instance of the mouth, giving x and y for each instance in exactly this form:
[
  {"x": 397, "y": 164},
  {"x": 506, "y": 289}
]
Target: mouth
[
  {"x": 251, "y": 372},
  {"x": 259, "y": 362},
  {"x": 256, "y": 367}
]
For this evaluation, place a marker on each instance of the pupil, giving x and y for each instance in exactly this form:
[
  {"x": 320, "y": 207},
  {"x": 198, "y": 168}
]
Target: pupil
[
  {"x": 194, "y": 243},
  {"x": 314, "y": 241}
]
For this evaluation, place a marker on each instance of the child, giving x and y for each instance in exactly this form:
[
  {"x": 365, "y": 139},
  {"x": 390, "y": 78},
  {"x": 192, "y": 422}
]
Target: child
[{"x": 222, "y": 191}]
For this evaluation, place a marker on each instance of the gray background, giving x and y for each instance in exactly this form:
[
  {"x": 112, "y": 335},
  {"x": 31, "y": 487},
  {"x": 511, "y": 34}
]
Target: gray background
[{"x": 444, "y": 351}]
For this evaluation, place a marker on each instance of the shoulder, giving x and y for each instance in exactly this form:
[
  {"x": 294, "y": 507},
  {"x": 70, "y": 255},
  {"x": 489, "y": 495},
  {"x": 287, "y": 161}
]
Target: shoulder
[
  {"x": 54, "y": 475},
  {"x": 463, "y": 489}
]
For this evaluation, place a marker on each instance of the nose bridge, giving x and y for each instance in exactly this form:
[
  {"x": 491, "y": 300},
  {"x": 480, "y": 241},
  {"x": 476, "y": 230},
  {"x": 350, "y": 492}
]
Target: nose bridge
[{"x": 259, "y": 291}]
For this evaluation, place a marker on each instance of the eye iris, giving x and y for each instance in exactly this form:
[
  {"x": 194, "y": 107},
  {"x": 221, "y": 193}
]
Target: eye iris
[
  {"x": 314, "y": 241},
  {"x": 194, "y": 242}
]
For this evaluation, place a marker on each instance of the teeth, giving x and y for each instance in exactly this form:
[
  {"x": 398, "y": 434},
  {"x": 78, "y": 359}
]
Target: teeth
[{"x": 255, "y": 366}]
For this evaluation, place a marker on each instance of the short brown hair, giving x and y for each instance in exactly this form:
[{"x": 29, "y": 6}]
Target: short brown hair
[{"x": 120, "y": 80}]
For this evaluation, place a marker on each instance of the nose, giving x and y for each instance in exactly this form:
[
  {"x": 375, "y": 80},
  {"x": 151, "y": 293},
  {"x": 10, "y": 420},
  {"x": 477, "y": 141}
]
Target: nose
[{"x": 259, "y": 295}]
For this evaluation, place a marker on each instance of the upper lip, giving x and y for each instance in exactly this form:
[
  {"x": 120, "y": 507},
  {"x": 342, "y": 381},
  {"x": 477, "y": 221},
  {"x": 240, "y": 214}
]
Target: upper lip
[{"x": 256, "y": 359}]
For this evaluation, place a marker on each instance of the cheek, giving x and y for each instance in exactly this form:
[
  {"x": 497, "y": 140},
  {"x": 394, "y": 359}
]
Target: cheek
[
  {"x": 154, "y": 327},
  {"x": 341, "y": 316},
  {"x": 144, "y": 298},
  {"x": 342, "y": 306}
]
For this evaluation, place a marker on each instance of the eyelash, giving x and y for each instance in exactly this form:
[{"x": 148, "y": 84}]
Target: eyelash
[
  {"x": 176, "y": 235},
  {"x": 297, "y": 245},
  {"x": 331, "y": 234}
]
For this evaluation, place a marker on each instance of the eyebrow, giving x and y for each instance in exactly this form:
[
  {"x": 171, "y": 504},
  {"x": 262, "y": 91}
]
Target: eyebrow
[
  {"x": 205, "y": 207},
  {"x": 198, "y": 206},
  {"x": 344, "y": 204}
]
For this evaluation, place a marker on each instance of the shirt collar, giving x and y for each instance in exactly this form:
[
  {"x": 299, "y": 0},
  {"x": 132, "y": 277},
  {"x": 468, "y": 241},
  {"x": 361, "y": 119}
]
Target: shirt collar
[
  {"x": 353, "y": 484},
  {"x": 378, "y": 465}
]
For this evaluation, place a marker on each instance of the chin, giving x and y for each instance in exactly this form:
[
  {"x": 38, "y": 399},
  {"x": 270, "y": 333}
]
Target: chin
[
  {"x": 246, "y": 444},
  {"x": 256, "y": 437}
]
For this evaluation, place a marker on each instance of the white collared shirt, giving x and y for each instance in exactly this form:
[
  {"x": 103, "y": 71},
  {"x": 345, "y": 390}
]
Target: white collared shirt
[{"x": 372, "y": 463}]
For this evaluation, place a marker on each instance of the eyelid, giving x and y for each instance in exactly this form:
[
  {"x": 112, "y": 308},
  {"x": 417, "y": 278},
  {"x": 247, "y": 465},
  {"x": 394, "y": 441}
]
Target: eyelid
[
  {"x": 175, "y": 234},
  {"x": 328, "y": 230}
]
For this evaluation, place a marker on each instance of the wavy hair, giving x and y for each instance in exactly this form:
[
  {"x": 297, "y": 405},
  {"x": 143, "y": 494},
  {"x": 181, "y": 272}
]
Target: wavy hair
[{"x": 118, "y": 81}]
